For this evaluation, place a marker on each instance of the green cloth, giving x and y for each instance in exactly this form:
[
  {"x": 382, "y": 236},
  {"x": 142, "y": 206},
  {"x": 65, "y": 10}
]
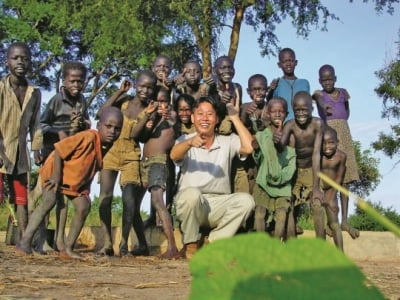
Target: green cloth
[{"x": 275, "y": 169}]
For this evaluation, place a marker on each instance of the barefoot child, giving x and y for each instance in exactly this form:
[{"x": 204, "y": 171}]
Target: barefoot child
[
  {"x": 19, "y": 116},
  {"x": 307, "y": 132},
  {"x": 69, "y": 171},
  {"x": 272, "y": 193},
  {"x": 154, "y": 169},
  {"x": 124, "y": 157},
  {"x": 288, "y": 85},
  {"x": 333, "y": 165},
  {"x": 65, "y": 114},
  {"x": 333, "y": 108}
]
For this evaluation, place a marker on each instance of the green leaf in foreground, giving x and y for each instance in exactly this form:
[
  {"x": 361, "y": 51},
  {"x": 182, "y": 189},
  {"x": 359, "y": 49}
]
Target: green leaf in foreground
[{"x": 255, "y": 266}]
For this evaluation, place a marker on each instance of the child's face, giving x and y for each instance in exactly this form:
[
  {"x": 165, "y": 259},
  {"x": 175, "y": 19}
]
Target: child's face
[
  {"x": 162, "y": 68},
  {"x": 302, "y": 108},
  {"x": 329, "y": 144},
  {"x": 145, "y": 86},
  {"x": 163, "y": 103},
  {"x": 287, "y": 62},
  {"x": 276, "y": 113},
  {"x": 193, "y": 73},
  {"x": 205, "y": 119},
  {"x": 18, "y": 61},
  {"x": 225, "y": 70},
  {"x": 184, "y": 112},
  {"x": 74, "y": 82},
  {"x": 327, "y": 80},
  {"x": 110, "y": 128},
  {"x": 257, "y": 90}
]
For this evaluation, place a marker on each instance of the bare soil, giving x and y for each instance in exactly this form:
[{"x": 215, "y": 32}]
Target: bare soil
[{"x": 50, "y": 277}]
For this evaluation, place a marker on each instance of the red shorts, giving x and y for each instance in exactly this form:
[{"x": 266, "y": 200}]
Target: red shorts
[{"x": 18, "y": 185}]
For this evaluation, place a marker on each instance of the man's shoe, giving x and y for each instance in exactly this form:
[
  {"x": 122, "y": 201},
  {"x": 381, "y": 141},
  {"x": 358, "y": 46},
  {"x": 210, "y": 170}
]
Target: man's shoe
[{"x": 190, "y": 249}]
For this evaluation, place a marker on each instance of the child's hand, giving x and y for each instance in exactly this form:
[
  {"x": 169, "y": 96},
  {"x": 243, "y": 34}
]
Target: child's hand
[
  {"x": 149, "y": 124},
  {"x": 251, "y": 108},
  {"x": 196, "y": 141},
  {"x": 227, "y": 96},
  {"x": 232, "y": 110},
  {"x": 274, "y": 84},
  {"x": 318, "y": 195},
  {"x": 180, "y": 78},
  {"x": 52, "y": 184},
  {"x": 151, "y": 107},
  {"x": 125, "y": 86},
  {"x": 37, "y": 157},
  {"x": 277, "y": 135},
  {"x": 255, "y": 144},
  {"x": 167, "y": 82},
  {"x": 208, "y": 78}
]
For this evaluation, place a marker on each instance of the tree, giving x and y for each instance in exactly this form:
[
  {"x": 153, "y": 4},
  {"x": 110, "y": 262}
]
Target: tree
[
  {"x": 368, "y": 172},
  {"x": 207, "y": 18},
  {"x": 114, "y": 38},
  {"x": 362, "y": 221},
  {"x": 389, "y": 91}
]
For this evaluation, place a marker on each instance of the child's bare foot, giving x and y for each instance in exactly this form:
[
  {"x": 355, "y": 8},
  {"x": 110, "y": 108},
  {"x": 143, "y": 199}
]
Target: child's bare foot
[
  {"x": 328, "y": 231},
  {"x": 354, "y": 233},
  {"x": 140, "y": 251},
  {"x": 171, "y": 254},
  {"x": 72, "y": 254},
  {"x": 105, "y": 251},
  {"x": 59, "y": 246},
  {"x": 22, "y": 250}
]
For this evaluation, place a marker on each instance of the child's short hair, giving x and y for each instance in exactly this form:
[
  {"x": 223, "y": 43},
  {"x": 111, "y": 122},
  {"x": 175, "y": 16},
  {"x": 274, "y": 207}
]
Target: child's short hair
[
  {"x": 330, "y": 130},
  {"x": 286, "y": 50},
  {"x": 326, "y": 67},
  {"x": 218, "y": 60},
  {"x": 184, "y": 97},
  {"x": 147, "y": 73},
  {"x": 73, "y": 65},
  {"x": 19, "y": 45},
  {"x": 257, "y": 76},
  {"x": 278, "y": 99}
]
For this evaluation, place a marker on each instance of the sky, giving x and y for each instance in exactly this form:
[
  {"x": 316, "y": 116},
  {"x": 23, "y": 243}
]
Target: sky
[{"x": 357, "y": 46}]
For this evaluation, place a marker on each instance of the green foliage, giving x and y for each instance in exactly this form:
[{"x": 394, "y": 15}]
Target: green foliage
[
  {"x": 389, "y": 91},
  {"x": 363, "y": 221},
  {"x": 255, "y": 266},
  {"x": 367, "y": 170}
]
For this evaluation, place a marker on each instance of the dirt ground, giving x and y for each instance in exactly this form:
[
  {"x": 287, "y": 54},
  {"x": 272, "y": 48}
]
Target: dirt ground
[{"x": 50, "y": 277}]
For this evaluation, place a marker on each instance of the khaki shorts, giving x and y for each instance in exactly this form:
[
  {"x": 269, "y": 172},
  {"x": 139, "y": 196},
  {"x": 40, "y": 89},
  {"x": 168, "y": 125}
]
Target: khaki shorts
[
  {"x": 261, "y": 198},
  {"x": 126, "y": 162},
  {"x": 303, "y": 186}
]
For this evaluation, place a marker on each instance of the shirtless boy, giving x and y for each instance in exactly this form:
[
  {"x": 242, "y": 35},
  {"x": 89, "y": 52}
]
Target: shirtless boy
[
  {"x": 307, "y": 132},
  {"x": 154, "y": 169},
  {"x": 333, "y": 165},
  {"x": 189, "y": 82},
  {"x": 69, "y": 170}
]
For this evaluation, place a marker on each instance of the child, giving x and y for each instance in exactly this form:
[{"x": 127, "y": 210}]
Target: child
[
  {"x": 333, "y": 108},
  {"x": 189, "y": 82},
  {"x": 253, "y": 115},
  {"x": 65, "y": 114},
  {"x": 162, "y": 67},
  {"x": 19, "y": 116},
  {"x": 229, "y": 92},
  {"x": 288, "y": 85},
  {"x": 333, "y": 165},
  {"x": 69, "y": 171},
  {"x": 273, "y": 190},
  {"x": 307, "y": 133},
  {"x": 154, "y": 169},
  {"x": 124, "y": 157},
  {"x": 183, "y": 107}
]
